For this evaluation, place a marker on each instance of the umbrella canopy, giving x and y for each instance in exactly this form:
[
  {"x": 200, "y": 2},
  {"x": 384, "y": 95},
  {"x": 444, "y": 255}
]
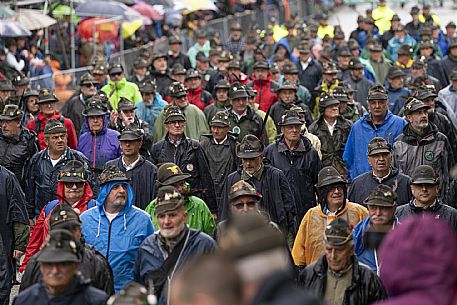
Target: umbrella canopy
[
  {"x": 6, "y": 12},
  {"x": 33, "y": 19},
  {"x": 107, "y": 9},
  {"x": 104, "y": 31},
  {"x": 10, "y": 28},
  {"x": 129, "y": 28},
  {"x": 168, "y": 3},
  {"x": 200, "y": 5},
  {"x": 148, "y": 11}
]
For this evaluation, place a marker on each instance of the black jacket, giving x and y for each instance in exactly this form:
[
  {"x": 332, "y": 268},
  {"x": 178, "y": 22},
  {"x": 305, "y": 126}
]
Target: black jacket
[
  {"x": 93, "y": 266},
  {"x": 16, "y": 151},
  {"x": 12, "y": 210},
  {"x": 222, "y": 160},
  {"x": 182, "y": 59},
  {"x": 191, "y": 158},
  {"x": 277, "y": 197},
  {"x": 40, "y": 178},
  {"x": 280, "y": 289},
  {"x": 142, "y": 179},
  {"x": 364, "y": 184},
  {"x": 365, "y": 288},
  {"x": 163, "y": 82},
  {"x": 444, "y": 126},
  {"x": 439, "y": 210},
  {"x": 73, "y": 109},
  {"x": 449, "y": 64},
  {"x": 310, "y": 78},
  {"x": 79, "y": 293},
  {"x": 435, "y": 68},
  {"x": 301, "y": 167}
]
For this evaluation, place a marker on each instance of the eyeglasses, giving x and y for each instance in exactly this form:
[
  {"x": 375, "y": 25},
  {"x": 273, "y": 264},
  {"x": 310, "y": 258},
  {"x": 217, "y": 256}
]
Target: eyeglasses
[
  {"x": 71, "y": 184},
  {"x": 240, "y": 205},
  {"x": 336, "y": 187},
  {"x": 115, "y": 74}
]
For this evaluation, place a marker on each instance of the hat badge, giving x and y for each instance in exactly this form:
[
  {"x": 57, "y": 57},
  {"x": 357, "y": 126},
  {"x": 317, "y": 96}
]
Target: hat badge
[{"x": 174, "y": 169}]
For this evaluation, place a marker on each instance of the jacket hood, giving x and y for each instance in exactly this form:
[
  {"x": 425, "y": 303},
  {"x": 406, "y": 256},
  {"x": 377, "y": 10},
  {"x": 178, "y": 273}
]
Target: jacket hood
[
  {"x": 358, "y": 231},
  {"x": 82, "y": 203},
  {"x": 105, "y": 125},
  {"x": 285, "y": 43},
  {"x": 106, "y": 189},
  {"x": 410, "y": 135},
  {"x": 265, "y": 81},
  {"x": 430, "y": 267}
]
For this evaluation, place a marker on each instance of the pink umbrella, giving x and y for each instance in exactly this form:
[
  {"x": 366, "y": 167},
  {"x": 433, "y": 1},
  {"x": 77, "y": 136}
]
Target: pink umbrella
[{"x": 148, "y": 11}]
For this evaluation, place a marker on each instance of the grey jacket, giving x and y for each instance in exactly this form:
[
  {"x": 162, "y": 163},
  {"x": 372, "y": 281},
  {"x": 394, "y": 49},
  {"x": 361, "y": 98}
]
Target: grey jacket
[{"x": 410, "y": 150}]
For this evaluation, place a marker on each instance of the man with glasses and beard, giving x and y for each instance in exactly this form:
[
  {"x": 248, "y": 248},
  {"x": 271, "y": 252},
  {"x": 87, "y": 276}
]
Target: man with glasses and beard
[
  {"x": 115, "y": 227},
  {"x": 170, "y": 247},
  {"x": 422, "y": 144}
]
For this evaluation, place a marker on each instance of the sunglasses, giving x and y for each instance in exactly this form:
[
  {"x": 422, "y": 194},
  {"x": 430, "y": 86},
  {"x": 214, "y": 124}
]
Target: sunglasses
[
  {"x": 71, "y": 184},
  {"x": 89, "y": 85},
  {"x": 240, "y": 205},
  {"x": 116, "y": 74}
]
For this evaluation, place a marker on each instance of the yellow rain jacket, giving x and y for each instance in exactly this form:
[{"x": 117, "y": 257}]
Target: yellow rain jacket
[{"x": 309, "y": 243}]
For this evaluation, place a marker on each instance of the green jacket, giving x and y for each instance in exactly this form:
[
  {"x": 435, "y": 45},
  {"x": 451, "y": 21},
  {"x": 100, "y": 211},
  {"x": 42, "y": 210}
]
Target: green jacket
[
  {"x": 196, "y": 124},
  {"x": 122, "y": 89},
  {"x": 200, "y": 218}
]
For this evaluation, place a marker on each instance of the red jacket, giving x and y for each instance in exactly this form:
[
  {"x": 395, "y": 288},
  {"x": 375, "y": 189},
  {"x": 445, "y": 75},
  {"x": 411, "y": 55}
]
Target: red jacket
[
  {"x": 71, "y": 132},
  {"x": 265, "y": 97},
  {"x": 41, "y": 228},
  {"x": 200, "y": 98}
]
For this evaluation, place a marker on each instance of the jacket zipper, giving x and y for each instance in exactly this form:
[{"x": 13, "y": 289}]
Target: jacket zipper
[
  {"x": 109, "y": 240},
  {"x": 94, "y": 150}
]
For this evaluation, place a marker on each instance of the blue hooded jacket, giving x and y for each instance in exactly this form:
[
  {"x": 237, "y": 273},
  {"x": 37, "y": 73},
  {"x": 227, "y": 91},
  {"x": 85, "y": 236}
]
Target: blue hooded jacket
[
  {"x": 149, "y": 113},
  {"x": 99, "y": 148},
  {"x": 283, "y": 42},
  {"x": 365, "y": 256},
  {"x": 119, "y": 240},
  {"x": 362, "y": 132}
]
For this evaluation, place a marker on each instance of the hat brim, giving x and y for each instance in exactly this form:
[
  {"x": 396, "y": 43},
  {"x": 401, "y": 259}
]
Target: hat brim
[
  {"x": 56, "y": 130},
  {"x": 47, "y": 100},
  {"x": 334, "y": 180},
  {"x": 425, "y": 181},
  {"x": 235, "y": 195},
  {"x": 218, "y": 124},
  {"x": 116, "y": 179},
  {"x": 167, "y": 207},
  {"x": 10, "y": 118},
  {"x": 133, "y": 107},
  {"x": 115, "y": 71},
  {"x": 66, "y": 179},
  {"x": 379, "y": 202},
  {"x": 57, "y": 256},
  {"x": 175, "y": 179},
  {"x": 248, "y": 155},
  {"x": 379, "y": 151},
  {"x": 129, "y": 137},
  {"x": 174, "y": 118},
  {"x": 291, "y": 122},
  {"x": 240, "y": 94},
  {"x": 411, "y": 111},
  {"x": 94, "y": 113}
]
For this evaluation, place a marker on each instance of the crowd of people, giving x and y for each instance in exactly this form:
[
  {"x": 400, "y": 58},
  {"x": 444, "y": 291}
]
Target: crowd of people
[{"x": 311, "y": 169}]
